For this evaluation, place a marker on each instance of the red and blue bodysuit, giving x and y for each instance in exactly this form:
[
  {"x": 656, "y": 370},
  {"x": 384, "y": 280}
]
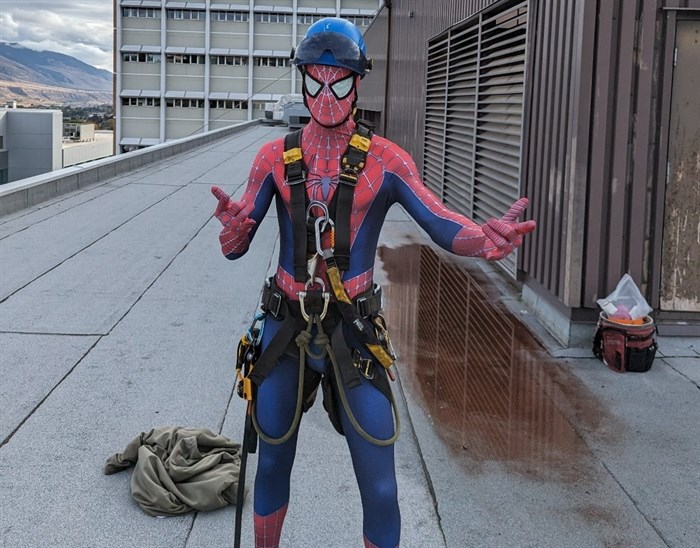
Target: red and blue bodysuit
[{"x": 389, "y": 177}]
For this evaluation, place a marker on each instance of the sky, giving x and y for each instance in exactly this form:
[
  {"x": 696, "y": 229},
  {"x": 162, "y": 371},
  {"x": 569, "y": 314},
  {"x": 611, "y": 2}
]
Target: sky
[{"x": 82, "y": 29}]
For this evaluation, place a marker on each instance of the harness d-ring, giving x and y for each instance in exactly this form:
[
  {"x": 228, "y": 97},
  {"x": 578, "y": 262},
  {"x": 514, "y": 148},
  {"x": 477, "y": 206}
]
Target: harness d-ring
[{"x": 325, "y": 294}]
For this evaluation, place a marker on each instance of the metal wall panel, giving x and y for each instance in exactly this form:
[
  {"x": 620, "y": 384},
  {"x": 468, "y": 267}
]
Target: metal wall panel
[
  {"x": 372, "y": 89},
  {"x": 595, "y": 149},
  {"x": 413, "y": 23},
  {"x": 625, "y": 184},
  {"x": 556, "y": 109},
  {"x": 595, "y": 139},
  {"x": 680, "y": 288}
]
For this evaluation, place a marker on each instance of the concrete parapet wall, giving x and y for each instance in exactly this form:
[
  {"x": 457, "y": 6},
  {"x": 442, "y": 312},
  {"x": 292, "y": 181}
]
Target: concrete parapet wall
[
  {"x": 87, "y": 152},
  {"x": 33, "y": 190}
]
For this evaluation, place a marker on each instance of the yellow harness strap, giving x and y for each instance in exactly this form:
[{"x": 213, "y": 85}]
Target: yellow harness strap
[{"x": 341, "y": 294}]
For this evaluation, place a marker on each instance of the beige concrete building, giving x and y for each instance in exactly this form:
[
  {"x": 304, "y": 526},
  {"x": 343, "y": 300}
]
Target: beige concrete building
[
  {"x": 30, "y": 142},
  {"x": 186, "y": 67}
]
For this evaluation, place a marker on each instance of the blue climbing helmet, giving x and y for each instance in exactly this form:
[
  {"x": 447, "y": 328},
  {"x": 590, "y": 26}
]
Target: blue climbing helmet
[{"x": 334, "y": 42}]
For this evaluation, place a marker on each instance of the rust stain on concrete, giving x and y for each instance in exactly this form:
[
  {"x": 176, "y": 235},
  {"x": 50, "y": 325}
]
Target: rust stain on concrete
[{"x": 493, "y": 392}]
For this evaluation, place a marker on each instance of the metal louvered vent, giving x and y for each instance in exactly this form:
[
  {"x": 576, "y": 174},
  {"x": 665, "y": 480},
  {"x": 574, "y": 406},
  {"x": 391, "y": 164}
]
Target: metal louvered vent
[
  {"x": 436, "y": 97},
  {"x": 474, "y": 110}
]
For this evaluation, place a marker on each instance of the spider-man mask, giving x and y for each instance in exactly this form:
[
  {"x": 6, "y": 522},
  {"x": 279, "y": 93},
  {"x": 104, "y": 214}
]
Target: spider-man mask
[{"x": 330, "y": 93}]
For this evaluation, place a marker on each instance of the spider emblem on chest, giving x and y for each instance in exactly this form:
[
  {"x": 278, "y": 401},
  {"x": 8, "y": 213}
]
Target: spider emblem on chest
[{"x": 321, "y": 187}]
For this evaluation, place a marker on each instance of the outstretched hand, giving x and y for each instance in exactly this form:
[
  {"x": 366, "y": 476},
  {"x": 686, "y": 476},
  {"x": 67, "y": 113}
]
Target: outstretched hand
[
  {"x": 237, "y": 223},
  {"x": 232, "y": 214},
  {"x": 506, "y": 233}
]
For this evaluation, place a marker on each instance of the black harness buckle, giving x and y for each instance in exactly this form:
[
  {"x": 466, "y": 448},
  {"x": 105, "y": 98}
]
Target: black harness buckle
[
  {"x": 370, "y": 305},
  {"x": 274, "y": 304},
  {"x": 271, "y": 300}
]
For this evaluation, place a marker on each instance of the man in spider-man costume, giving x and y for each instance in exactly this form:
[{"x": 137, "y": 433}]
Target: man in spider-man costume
[{"x": 332, "y": 60}]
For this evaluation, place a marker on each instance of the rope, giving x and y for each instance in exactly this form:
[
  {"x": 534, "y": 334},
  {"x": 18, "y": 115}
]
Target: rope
[
  {"x": 346, "y": 405},
  {"x": 303, "y": 341}
]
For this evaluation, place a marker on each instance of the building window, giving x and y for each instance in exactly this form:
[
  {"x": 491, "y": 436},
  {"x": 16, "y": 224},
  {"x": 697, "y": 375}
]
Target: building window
[
  {"x": 229, "y": 16},
  {"x": 185, "y": 103},
  {"x": 141, "y": 57},
  {"x": 258, "y": 105},
  {"x": 235, "y": 60},
  {"x": 141, "y": 101},
  {"x": 359, "y": 20},
  {"x": 272, "y": 17},
  {"x": 194, "y": 15},
  {"x": 184, "y": 59},
  {"x": 270, "y": 61},
  {"x": 228, "y": 104},
  {"x": 308, "y": 18},
  {"x": 150, "y": 13}
]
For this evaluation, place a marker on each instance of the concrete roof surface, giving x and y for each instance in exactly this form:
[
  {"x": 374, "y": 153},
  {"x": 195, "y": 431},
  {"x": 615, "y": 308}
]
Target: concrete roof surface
[{"x": 118, "y": 314}]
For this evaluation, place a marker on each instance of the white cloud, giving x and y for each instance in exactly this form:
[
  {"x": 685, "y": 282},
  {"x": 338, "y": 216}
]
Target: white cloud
[{"x": 80, "y": 29}]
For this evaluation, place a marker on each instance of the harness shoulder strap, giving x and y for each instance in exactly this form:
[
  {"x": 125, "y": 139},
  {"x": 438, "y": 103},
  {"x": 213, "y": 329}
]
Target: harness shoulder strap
[
  {"x": 352, "y": 163},
  {"x": 296, "y": 177}
]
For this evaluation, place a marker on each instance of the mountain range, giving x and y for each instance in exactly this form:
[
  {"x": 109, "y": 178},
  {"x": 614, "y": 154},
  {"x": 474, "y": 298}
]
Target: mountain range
[{"x": 40, "y": 78}]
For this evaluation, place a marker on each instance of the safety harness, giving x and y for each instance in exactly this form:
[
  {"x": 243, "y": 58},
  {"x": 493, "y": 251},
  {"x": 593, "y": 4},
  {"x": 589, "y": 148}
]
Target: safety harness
[
  {"x": 314, "y": 310},
  {"x": 352, "y": 163}
]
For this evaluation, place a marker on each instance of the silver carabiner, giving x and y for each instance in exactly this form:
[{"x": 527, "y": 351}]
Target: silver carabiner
[
  {"x": 319, "y": 230},
  {"x": 323, "y": 207}
]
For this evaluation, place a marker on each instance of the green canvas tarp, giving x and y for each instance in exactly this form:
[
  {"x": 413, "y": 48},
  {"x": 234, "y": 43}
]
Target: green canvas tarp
[{"x": 178, "y": 470}]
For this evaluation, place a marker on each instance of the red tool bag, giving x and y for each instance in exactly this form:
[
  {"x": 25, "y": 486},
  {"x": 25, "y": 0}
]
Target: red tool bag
[{"x": 625, "y": 347}]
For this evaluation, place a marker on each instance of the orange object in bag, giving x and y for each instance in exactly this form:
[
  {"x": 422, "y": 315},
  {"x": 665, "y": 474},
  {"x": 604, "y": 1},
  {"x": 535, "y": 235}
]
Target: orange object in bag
[{"x": 625, "y": 346}]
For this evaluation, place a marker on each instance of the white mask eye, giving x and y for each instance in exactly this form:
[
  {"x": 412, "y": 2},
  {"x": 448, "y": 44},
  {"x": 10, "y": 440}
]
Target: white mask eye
[
  {"x": 311, "y": 85},
  {"x": 342, "y": 88}
]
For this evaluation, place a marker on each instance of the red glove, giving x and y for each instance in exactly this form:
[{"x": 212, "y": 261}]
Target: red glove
[
  {"x": 505, "y": 234},
  {"x": 234, "y": 216}
]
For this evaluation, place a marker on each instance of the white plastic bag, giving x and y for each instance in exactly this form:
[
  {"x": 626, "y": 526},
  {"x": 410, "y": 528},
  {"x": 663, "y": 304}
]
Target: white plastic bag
[{"x": 626, "y": 302}]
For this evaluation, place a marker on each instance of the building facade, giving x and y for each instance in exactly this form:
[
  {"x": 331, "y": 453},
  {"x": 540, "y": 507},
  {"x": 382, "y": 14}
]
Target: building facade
[
  {"x": 588, "y": 108},
  {"x": 186, "y": 67},
  {"x": 30, "y": 142}
]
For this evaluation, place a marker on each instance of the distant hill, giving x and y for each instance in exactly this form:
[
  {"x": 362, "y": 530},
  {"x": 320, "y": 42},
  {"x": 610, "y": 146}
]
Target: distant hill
[{"x": 47, "y": 77}]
